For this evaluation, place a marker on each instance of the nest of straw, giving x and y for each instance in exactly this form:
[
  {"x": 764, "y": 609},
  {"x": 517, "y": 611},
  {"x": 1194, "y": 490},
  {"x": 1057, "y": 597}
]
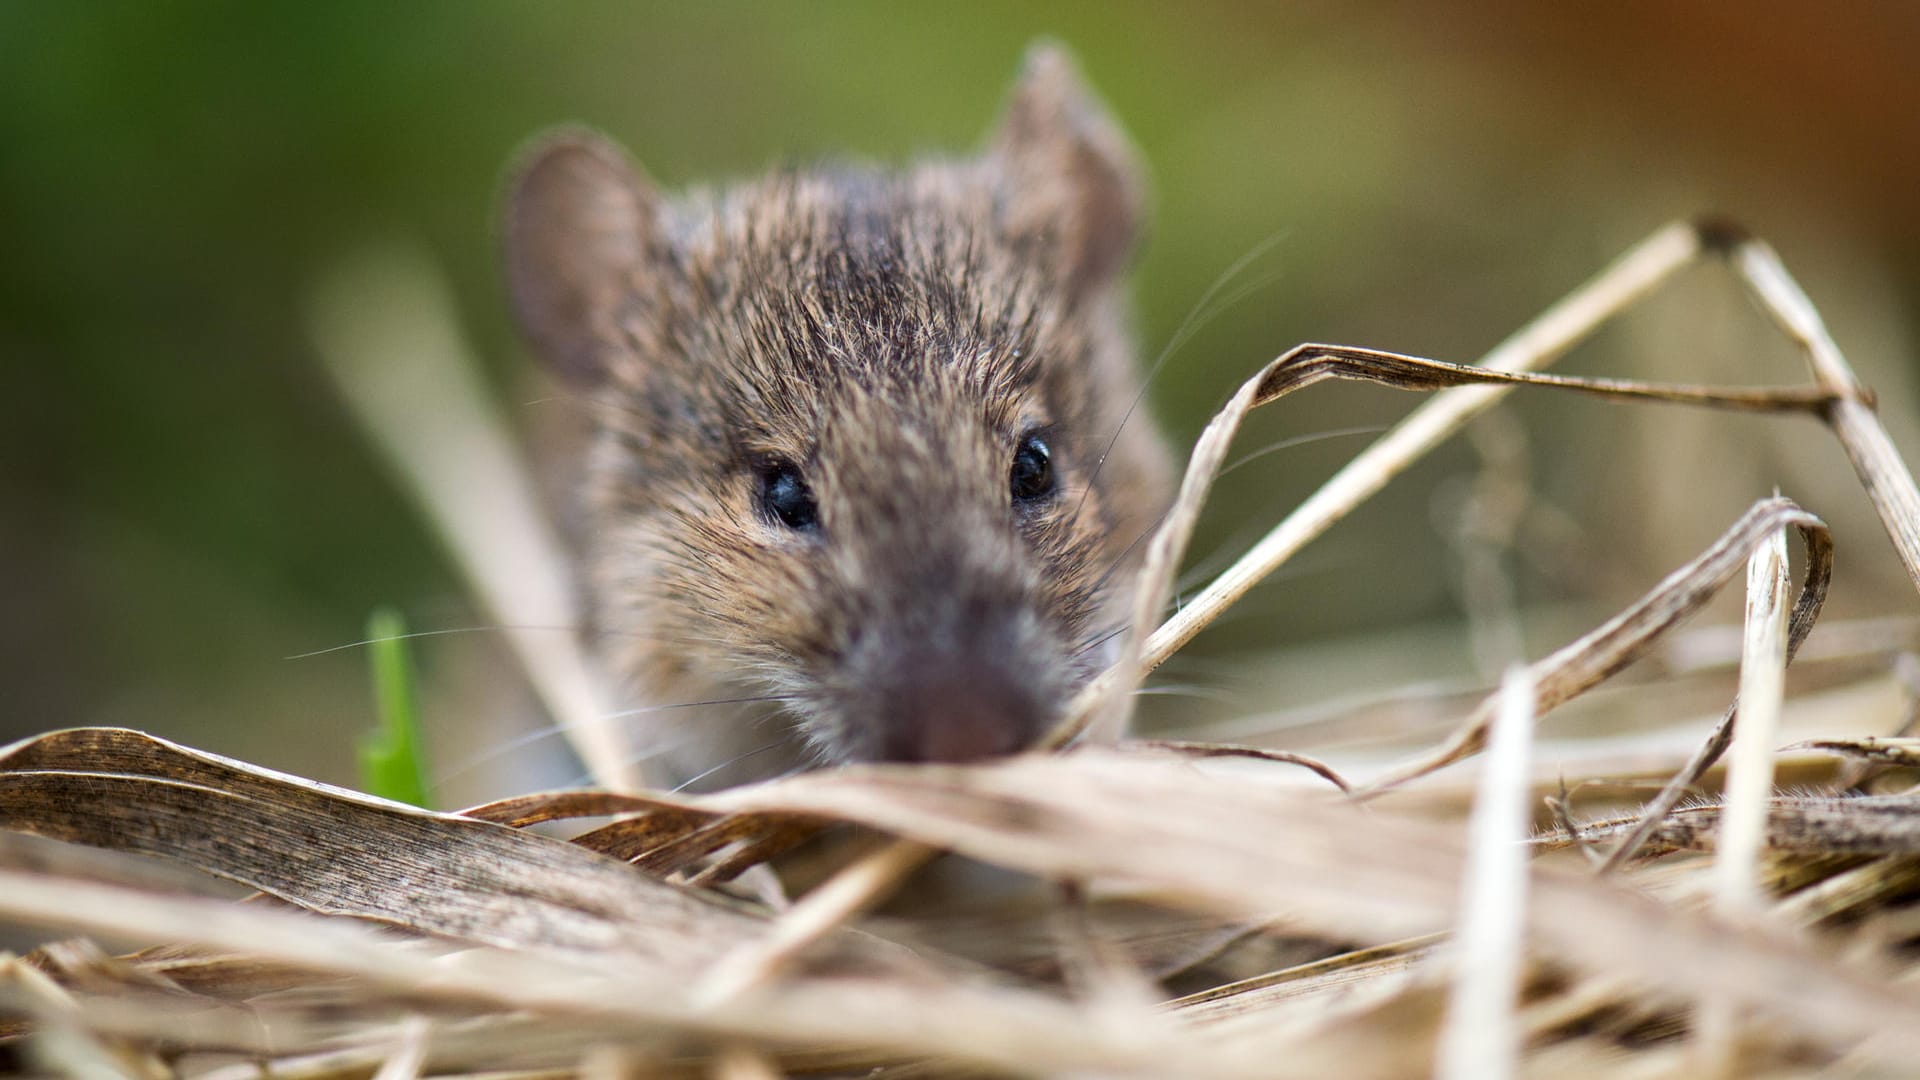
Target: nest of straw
[{"x": 1157, "y": 909}]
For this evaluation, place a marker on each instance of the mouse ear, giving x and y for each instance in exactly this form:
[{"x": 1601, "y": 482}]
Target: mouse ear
[
  {"x": 579, "y": 219},
  {"x": 1069, "y": 169}
]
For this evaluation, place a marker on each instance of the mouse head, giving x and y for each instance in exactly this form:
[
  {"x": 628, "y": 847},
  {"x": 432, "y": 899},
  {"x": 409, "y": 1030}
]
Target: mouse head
[{"x": 864, "y": 440}]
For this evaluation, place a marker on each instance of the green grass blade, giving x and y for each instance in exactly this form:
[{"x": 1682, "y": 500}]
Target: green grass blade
[{"x": 390, "y": 755}]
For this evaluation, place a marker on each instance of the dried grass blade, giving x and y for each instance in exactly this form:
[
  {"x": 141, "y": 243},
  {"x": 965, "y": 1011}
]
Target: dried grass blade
[
  {"x": 1851, "y": 891},
  {"x": 1621, "y": 640},
  {"x": 1480, "y": 1039},
  {"x": 1879, "y": 749},
  {"x": 409, "y": 1052},
  {"x": 1795, "y": 825},
  {"x": 1305, "y": 365},
  {"x": 522, "y": 810},
  {"x": 1218, "y": 750},
  {"x": 341, "y": 852},
  {"x": 629, "y": 838},
  {"x": 685, "y": 850},
  {"x": 1318, "y": 976},
  {"x": 1806, "y": 610},
  {"x": 737, "y": 1062},
  {"x": 1247, "y": 849},
  {"x": 1750, "y": 769},
  {"x": 66, "y": 1045},
  {"x": 140, "y": 1012},
  {"x": 1888, "y": 481},
  {"x": 776, "y": 841},
  {"x": 997, "y": 1026},
  {"x": 1763, "y": 672},
  {"x": 828, "y": 907},
  {"x": 1885, "y": 475}
]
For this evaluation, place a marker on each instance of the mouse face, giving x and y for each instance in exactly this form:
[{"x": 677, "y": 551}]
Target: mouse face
[{"x": 863, "y": 439}]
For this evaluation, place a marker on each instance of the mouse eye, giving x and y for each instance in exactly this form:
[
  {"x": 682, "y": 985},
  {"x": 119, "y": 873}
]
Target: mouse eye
[
  {"x": 1031, "y": 478},
  {"x": 784, "y": 494}
]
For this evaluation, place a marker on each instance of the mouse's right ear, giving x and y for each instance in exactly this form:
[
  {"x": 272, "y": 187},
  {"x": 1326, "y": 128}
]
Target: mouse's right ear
[
  {"x": 1072, "y": 174},
  {"x": 579, "y": 219}
]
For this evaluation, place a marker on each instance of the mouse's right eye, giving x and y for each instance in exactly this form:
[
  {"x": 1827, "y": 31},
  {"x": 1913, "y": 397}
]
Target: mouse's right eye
[{"x": 784, "y": 494}]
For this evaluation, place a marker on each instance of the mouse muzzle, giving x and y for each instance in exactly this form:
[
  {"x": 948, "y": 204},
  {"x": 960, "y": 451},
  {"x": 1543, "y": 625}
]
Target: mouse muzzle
[{"x": 950, "y": 678}]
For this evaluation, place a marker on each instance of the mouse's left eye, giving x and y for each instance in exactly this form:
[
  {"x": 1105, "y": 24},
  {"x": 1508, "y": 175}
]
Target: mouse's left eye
[
  {"x": 1031, "y": 478},
  {"x": 784, "y": 495}
]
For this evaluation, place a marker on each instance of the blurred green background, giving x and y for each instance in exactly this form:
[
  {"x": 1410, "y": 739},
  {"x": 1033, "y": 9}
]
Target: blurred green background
[{"x": 184, "y": 504}]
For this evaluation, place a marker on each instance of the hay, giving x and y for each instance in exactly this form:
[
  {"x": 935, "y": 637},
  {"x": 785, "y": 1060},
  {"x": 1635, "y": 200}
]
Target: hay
[{"x": 1197, "y": 908}]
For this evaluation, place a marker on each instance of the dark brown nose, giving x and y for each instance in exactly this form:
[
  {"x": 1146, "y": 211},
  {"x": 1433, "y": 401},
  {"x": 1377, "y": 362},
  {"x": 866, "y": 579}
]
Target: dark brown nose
[{"x": 954, "y": 709}]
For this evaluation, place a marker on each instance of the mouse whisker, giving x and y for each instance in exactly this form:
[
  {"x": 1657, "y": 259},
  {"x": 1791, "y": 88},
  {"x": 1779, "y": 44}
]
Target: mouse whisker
[
  {"x": 1296, "y": 441},
  {"x": 481, "y": 628},
  {"x": 1114, "y": 565},
  {"x": 1100, "y": 640},
  {"x": 736, "y": 759},
  {"x": 1203, "y": 312},
  {"x": 1190, "y": 690},
  {"x": 412, "y": 634},
  {"x": 645, "y": 710},
  {"x": 526, "y": 739},
  {"x": 474, "y": 761}
]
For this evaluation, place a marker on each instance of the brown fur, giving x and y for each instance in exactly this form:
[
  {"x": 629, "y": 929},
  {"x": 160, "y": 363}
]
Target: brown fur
[{"x": 895, "y": 336}]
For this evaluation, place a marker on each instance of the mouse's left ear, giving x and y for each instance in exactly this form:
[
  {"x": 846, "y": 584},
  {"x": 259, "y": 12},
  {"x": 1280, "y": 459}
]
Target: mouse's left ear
[
  {"x": 579, "y": 222},
  {"x": 1070, "y": 172}
]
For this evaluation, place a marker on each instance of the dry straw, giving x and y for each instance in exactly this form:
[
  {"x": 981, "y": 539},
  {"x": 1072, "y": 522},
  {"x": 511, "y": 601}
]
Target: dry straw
[{"x": 1217, "y": 910}]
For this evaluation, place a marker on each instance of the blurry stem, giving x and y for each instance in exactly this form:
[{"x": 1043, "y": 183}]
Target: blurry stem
[
  {"x": 385, "y": 326},
  {"x": 1481, "y": 1037},
  {"x": 1763, "y": 669}
]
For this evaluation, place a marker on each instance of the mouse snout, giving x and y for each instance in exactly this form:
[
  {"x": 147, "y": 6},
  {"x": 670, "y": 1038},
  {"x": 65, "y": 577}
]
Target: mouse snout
[
  {"x": 951, "y": 686},
  {"x": 956, "y": 708}
]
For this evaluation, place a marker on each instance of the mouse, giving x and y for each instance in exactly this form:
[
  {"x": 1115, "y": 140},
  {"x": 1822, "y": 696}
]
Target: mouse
[{"x": 868, "y": 469}]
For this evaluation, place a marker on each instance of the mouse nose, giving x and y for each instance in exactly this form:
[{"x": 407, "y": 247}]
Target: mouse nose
[{"x": 950, "y": 710}]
